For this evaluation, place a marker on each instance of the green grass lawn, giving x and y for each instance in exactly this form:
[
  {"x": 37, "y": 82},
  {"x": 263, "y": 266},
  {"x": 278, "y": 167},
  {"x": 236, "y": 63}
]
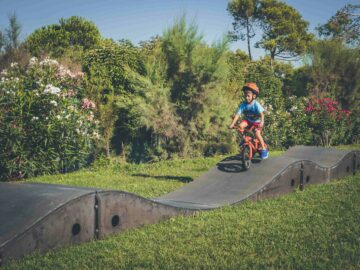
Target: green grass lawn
[
  {"x": 317, "y": 228},
  {"x": 148, "y": 180}
]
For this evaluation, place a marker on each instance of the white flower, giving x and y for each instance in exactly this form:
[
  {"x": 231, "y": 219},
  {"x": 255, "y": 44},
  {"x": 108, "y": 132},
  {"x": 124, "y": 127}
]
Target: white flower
[
  {"x": 50, "y": 89},
  {"x": 14, "y": 64},
  {"x": 33, "y": 61},
  {"x": 35, "y": 118},
  {"x": 96, "y": 135},
  {"x": 49, "y": 62},
  {"x": 58, "y": 117},
  {"x": 53, "y": 102},
  {"x": 4, "y": 72}
]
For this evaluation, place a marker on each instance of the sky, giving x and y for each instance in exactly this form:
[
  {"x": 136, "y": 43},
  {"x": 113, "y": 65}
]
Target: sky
[{"x": 139, "y": 20}]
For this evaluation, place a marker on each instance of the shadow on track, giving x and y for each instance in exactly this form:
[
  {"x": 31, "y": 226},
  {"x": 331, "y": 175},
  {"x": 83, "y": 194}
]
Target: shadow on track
[
  {"x": 183, "y": 179},
  {"x": 233, "y": 164}
]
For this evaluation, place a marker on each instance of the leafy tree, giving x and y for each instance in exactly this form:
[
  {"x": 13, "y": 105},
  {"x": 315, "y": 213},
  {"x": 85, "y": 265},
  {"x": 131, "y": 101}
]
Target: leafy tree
[
  {"x": 2, "y": 40},
  {"x": 191, "y": 65},
  {"x": 11, "y": 49},
  {"x": 335, "y": 69},
  {"x": 244, "y": 13},
  {"x": 296, "y": 83},
  {"x": 114, "y": 78},
  {"x": 345, "y": 25},
  {"x": 285, "y": 33},
  {"x": 237, "y": 61},
  {"x": 13, "y": 33},
  {"x": 56, "y": 38},
  {"x": 191, "y": 79}
]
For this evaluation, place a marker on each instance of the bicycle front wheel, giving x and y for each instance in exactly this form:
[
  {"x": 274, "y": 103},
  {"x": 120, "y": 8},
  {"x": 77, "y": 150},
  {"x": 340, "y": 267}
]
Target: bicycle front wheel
[{"x": 246, "y": 161}]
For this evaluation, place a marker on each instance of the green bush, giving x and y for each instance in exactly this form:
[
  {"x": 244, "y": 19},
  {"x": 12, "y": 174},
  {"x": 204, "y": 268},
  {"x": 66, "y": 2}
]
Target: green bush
[
  {"x": 46, "y": 126},
  {"x": 299, "y": 130},
  {"x": 55, "y": 39}
]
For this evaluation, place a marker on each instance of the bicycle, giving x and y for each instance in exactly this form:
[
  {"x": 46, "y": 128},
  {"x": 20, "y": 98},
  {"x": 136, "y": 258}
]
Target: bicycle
[{"x": 249, "y": 146}]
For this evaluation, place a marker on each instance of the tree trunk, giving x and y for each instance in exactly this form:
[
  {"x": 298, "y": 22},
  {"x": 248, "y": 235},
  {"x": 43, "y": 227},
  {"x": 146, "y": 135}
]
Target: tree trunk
[
  {"x": 248, "y": 38},
  {"x": 272, "y": 58},
  {"x": 108, "y": 148}
]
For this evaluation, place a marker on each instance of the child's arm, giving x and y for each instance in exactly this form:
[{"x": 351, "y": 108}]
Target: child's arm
[
  {"x": 234, "y": 121},
  {"x": 262, "y": 119}
]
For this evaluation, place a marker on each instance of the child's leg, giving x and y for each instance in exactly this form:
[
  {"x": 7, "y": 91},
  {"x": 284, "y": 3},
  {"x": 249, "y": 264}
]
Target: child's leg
[
  {"x": 242, "y": 126},
  {"x": 260, "y": 138}
]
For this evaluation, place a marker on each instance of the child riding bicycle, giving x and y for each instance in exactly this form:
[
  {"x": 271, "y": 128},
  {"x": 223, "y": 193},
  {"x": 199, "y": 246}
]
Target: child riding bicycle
[{"x": 254, "y": 114}]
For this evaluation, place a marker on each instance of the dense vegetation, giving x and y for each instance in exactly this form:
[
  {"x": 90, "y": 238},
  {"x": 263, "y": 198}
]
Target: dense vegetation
[{"x": 171, "y": 96}]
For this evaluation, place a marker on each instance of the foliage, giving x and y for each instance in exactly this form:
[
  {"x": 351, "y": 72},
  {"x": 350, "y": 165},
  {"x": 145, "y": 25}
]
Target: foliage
[
  {"x": 13, "y": 33},
  {"x": 19, "y": 55},
  {"x": 298, "y": 130},
  {"x": 296, "y": 83},
  {"x": 268, "y": 82},
  {"x": 14, "y": 50},
  {"x": 344, "y": 25},
  {"x": 327, "y": 120},
  {"x": 285, "y": 33},
  {"x": 45, "y": 126},
  {"x": 56, "y": 38},
  {"x": 335, "y": 70},
  {"x": 2, "y": 40},
  {"x": 114, "y": 81},
  {"x": 196, "y": 75},
  {"x": 237, "y": 62},
  {"x": 245, "y": 17}
]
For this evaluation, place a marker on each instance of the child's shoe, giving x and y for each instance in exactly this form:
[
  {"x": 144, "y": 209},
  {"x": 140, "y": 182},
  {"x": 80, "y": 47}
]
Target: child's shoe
[{"x": 264, "y": 153}]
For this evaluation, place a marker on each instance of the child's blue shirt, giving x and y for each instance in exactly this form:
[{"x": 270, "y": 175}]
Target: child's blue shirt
[{"x": 251, "y": 111}]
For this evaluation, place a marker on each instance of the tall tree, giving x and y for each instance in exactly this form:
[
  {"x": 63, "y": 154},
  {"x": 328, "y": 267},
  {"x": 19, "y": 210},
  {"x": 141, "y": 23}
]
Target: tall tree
[
  {"x": 2, "y": 40},
  {"x": 285, "y": 33},
  {"x": 13, "y": 32},
  {"x": 244, "y": 13},
  {"x": 344, "y": 25},
  {"x": 335, "y": 69},
  {"x": 69, "y": 33}
]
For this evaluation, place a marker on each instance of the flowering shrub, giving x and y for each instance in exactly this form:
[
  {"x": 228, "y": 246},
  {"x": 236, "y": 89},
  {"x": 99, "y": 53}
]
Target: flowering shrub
[
  {"x": 45, "y": 125},
  {"x": 298, "y": 131},
  {"x": 327, "y": 120}
]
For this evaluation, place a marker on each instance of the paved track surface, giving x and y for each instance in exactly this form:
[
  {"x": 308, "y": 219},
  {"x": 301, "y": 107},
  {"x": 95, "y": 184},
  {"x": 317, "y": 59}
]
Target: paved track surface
[{"x": 228, "y": 183}]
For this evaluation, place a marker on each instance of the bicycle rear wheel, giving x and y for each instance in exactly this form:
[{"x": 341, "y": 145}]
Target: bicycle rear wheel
[{"x": 245, "y": 155}]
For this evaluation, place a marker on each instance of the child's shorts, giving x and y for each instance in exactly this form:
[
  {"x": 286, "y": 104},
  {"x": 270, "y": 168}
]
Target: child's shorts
[{"x": 250, "y": 124}]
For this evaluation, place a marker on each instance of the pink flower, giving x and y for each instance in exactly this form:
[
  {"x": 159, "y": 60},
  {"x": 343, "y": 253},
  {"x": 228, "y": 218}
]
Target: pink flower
[
  {"x": 69, "y": 93},
  {"x": 90, "y": 117},
  {"x": 88, "y": 104}
]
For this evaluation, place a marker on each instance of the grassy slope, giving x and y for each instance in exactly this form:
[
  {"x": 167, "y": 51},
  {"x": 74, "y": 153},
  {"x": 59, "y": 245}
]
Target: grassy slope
[{"x": 317, "y": 228}]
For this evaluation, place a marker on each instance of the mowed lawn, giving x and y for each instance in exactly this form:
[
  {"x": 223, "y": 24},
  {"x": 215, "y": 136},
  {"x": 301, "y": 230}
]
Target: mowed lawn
[{"x": 317, "y": 228}]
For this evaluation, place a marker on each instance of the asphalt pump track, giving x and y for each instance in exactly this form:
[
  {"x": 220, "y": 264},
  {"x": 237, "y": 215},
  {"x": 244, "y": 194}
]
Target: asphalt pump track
[{"x": 42, "y": 217}]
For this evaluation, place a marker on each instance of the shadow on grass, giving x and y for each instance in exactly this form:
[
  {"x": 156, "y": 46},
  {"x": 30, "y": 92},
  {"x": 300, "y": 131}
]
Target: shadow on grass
[{"x": 183, "y": 179}]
